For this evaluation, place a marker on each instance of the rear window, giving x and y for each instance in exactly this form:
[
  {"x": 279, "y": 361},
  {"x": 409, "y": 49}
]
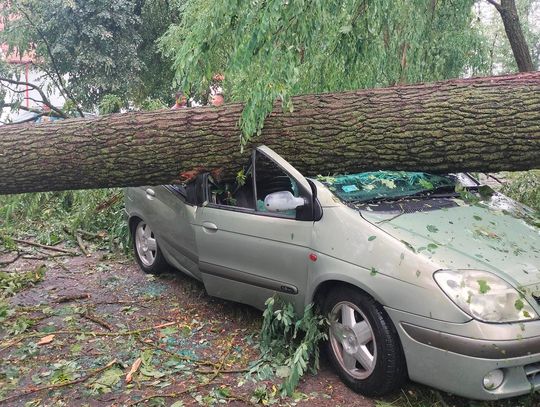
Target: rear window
[{"x": 366, "y": 186}]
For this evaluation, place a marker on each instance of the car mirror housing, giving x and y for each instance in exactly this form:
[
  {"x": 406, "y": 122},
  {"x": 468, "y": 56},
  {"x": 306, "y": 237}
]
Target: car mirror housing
[{"x": 282, "y": 201}]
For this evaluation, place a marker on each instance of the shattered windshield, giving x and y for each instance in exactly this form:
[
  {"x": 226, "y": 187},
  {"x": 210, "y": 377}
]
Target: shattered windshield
[{"x": 367, "y": 186}]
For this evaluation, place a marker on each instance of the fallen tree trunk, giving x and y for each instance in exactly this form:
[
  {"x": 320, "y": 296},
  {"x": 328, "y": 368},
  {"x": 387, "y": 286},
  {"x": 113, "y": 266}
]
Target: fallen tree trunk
[{"x": 482, "y": 124}]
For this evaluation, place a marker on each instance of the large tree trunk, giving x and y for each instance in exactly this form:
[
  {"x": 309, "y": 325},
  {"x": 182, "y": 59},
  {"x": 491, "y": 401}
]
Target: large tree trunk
[
  {"x": 482, "y": 124},
  {"x": 512, "y": 26}
]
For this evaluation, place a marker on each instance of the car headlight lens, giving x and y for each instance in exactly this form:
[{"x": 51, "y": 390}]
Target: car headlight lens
[{"x": 484, "y": 296}]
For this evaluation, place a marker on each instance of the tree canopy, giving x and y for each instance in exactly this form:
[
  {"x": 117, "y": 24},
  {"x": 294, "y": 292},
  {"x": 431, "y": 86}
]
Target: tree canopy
[
  {"x": 94, "y": 48},
  {"x": 274, "y": 49}
]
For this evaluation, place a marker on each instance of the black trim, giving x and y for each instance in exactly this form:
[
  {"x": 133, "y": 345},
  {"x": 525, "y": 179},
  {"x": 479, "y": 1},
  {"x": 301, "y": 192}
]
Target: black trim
[
  {"x": 247, "y": 278},
  {"x": 478, "y": 348}
]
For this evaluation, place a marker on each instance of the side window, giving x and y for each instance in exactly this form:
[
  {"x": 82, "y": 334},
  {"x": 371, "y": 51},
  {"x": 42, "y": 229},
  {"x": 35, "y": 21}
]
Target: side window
[
  {"x": 270, "y": 178},
  {"x": 237, "y": 193}
]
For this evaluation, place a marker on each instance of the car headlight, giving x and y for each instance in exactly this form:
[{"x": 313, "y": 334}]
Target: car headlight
[{"x": 484, "y": 296}]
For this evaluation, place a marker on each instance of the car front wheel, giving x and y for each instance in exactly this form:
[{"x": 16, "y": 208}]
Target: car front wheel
[
  {"x": 363, "y": 344},
  {"x": 147, "y": 251}
]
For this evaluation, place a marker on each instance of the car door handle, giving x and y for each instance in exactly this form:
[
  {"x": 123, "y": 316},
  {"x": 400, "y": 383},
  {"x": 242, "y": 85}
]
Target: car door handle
[
  {"x": 210, "y": 227},
  {"x": 150, "y": 193}
]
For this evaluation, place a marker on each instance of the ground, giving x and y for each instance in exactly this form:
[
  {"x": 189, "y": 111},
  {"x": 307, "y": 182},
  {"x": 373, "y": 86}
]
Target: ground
[
  {"x": 102, "y": 309},
  {"x": 72, "y": 338}
]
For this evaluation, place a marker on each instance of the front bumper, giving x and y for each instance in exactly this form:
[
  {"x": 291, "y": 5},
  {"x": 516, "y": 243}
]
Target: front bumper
[{"x": 453, "y": 358}]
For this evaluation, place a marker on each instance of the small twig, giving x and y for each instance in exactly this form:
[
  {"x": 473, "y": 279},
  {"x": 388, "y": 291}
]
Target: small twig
[
  {"x": 177, "y": 356},
  {"x": 221, "y": 364},
  {"x": 228, "y": 371},
  {"x": 98, "y": 321},
  {"x": 92, "y": 235},
  {"x": 57, "y": 385},
  {"x": 440, "y": 398},
  {"x": 12, "y": 342},
  {"x": 8, "y": 262},
  {"x": 69, "y": 298},
  {"x": 190, "y": 389},
  {"x": 109, "y": 202},
  {"x": 81, "y": 245},
  {"x": 43, "y": 246}
]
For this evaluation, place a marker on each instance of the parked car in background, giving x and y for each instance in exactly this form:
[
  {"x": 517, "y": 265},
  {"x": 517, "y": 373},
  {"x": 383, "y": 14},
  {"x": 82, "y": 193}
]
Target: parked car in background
[{"x": 431, "y": 277}]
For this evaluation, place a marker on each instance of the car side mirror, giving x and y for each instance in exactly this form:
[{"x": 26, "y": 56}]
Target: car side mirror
[{"x": 282, "y": 201}]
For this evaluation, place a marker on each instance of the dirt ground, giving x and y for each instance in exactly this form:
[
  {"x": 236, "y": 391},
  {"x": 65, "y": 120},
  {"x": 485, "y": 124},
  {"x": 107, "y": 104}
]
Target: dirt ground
[{"x": 73, "y": 338}]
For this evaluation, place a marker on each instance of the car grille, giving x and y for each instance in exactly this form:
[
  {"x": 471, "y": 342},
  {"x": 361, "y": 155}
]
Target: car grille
[{"x": 533, "y": 373}]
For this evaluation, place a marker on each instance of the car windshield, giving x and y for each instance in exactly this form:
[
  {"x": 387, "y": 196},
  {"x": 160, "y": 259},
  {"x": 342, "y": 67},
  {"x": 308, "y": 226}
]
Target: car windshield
[{"x": 378, "y": 185}]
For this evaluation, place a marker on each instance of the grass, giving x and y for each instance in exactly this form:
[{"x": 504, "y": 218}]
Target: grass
[
  {"x": 421, "y": 396},
  {"x": 524, "y": 187},
  {"x": 53, "y": 217}
]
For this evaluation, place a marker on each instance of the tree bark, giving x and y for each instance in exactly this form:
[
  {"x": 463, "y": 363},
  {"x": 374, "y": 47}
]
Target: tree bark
[
  {"x": 508, "y": 11},
  {"x": 481, "y": 124}
]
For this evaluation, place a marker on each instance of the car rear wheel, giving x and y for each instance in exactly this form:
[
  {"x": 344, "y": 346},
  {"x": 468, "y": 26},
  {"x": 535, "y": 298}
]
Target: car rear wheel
[
  {"x": 363, "y": 344},
  {"x": 147, "y": 251}
]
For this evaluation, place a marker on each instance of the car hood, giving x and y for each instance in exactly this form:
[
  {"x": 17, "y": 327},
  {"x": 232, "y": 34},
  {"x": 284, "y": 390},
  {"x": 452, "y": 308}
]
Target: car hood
[{"x": 469, "y": 237}]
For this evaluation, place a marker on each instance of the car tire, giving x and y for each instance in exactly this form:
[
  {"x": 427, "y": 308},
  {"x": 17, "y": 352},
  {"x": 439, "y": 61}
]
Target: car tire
[
  {"x": 146, "y": 249},
  {"x": 363, "y": 345}
]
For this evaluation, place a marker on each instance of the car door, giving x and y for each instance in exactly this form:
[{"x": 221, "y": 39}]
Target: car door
[
  {"x": 246, "y": 253},
  {"x": 170, "y": 216}
]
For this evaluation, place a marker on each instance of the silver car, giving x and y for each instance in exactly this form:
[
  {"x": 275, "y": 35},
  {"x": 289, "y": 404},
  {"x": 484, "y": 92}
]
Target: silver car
[{"x": 418, "y": 280}]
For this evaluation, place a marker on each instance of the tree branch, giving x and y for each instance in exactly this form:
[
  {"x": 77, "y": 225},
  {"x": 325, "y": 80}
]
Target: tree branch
[
  {"x": 45, "y": 100},
  {"x": 60, "y": 84},
  {"x": 495, "y": 4}
]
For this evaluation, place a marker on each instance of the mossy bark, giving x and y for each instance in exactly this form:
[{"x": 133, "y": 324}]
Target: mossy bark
[{"x": 483, "y": 124}]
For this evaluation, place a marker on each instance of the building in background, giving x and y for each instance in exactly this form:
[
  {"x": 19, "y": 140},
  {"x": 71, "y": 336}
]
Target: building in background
[{"x": 26, "y": 70}]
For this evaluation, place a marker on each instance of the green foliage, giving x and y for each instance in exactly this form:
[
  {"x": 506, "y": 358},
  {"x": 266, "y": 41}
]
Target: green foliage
[
  {"x": 11, "y": 283},
  {"x": 273, "y": 49},
  {"x": 110, "y": 104},
  {"x": 524, "y": 187},
  {"x": 501, "y": 58},
  {"x": 55, "y": 216},
  {"x": 289, "y": 345},
  {"x": 93, "y": 48},
  {"x": 95, "y": 42}
]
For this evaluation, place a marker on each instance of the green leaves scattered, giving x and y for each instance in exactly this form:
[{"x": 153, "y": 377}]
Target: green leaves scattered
[
  {"x": 108, "y": 380},
  {"x": 432, "y": 228},
  {"x": 11, "y": 283},
  {"x": 483, "y": 286}
]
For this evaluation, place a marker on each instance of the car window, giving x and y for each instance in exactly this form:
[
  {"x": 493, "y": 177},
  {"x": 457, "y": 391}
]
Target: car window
[
  {"x": 238, "y": 193},
  {"x": 271, "y": 178}
]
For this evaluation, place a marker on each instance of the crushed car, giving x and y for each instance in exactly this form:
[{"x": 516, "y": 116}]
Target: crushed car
[{"x": 434, "y": 278}]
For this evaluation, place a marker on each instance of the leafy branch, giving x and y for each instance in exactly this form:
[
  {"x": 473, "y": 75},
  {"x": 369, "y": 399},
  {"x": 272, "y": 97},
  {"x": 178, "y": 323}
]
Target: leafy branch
[{"x": 289, "y": 344}]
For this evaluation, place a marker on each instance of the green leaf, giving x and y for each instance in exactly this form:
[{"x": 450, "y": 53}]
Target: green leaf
[
  {"x": 283, "y": 371},
  {"x": 432, "y": 228},
  {"x": 483, "y": 286},
  {"x": 106, "y": 382},
  {"x": 372, "y": 238}
]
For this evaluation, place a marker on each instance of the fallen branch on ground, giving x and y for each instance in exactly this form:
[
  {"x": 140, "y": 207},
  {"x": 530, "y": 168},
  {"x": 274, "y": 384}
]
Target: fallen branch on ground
[
  {"x": 70, "y": 298},
  {"x": 12, "y": 342},
  {"x": 55, "y": 386},
  {"x": 44, "y": 246},
  {"x": 98, "y": 321},
  {"x": 80, "y": 242}
]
